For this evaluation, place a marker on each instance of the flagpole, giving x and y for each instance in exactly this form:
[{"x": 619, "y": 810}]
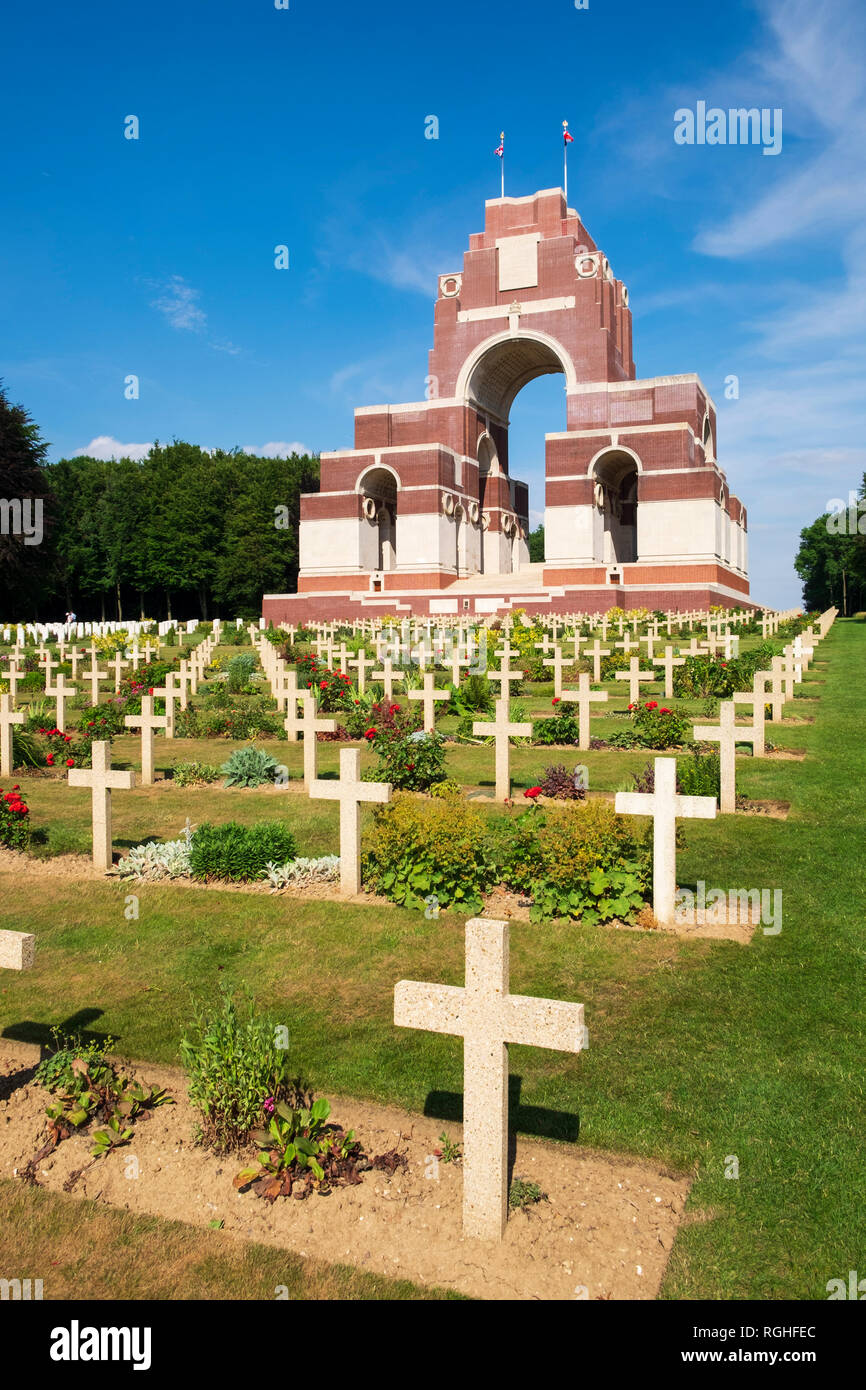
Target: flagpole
[
  {"x": 502, "y": 169},
  {"x": 565, "y": 162}
]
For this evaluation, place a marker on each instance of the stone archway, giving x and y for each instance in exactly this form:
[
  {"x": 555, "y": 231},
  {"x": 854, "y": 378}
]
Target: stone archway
[
  {"x": 378, "y": 490},
  {"x": 615, "y": 474},
  {"x": 491, "y": 378}
]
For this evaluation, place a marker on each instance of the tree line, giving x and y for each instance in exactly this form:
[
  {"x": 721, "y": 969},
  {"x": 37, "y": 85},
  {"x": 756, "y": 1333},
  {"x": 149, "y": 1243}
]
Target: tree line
[
  {"x": 181, "y": 533},
  {"x": 831, "y": 560}
]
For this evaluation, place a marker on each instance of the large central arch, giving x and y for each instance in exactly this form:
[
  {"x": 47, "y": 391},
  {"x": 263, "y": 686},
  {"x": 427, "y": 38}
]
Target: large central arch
[{"x": 501, "y": 366}]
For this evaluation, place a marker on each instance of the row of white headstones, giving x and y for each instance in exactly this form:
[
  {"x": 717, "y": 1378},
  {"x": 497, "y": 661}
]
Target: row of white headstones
[{"x": 483, "y": 1012}]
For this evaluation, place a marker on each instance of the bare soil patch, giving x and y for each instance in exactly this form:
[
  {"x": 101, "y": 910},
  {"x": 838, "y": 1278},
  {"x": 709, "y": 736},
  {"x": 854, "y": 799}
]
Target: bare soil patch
[{"x": 607, "y": 1226}]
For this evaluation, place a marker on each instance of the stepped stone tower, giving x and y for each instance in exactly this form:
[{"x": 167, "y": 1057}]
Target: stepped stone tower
[{"x": 423, "y": 514}]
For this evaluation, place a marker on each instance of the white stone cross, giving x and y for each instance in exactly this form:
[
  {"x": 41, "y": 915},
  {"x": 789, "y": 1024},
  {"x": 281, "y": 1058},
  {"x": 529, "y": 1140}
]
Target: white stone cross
[
  {"x": 664, "y": 805},
  {"x": 627, "y": 645},
  {"x": 387, "y": 676},
  {"x": 777, "y": 687},
  {"x": 350, "y": 791},
  {"x": 285, "y": 692},
  {"x": 458, "y": 660},
  {"x": 487, "y": 1017},
  {"x": 101, "y": 780},
  {"x": 558, "y": 662},
  {"x": 13, "y": 676},
  {"x": 695, "y": 648},
  {"x": 119, "y": 666},
  {"x": 757, "y": 699},
  {"x": 8, "y": 717},
  {"x": 48, "y": 665},
  {"x": 727, "y": 736},
  {"x": 505, "y": 675},
  {"x": 596, "y": 651},
  {"x": 583, "y": 697},
  {"x": 502, "y": 729},
  {"x": 429, "y": 695},
  {"x": 309, "y": 726},
  {"x": 635, "y": 676},
  {"x": 185, "y": 679},
  {"x": 669, "y": 661},
  {"x": 169, "y": 692},
  {"x": 147, "y": 721},
  {"x": 362, "y": 663},
  {"x": 95, "y": 677},
  {"x": 61, "y": 692}
]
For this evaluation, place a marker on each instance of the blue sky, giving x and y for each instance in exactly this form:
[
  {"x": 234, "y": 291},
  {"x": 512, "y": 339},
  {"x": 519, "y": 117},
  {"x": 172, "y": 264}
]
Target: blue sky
[{"x": 306, "y": 127}]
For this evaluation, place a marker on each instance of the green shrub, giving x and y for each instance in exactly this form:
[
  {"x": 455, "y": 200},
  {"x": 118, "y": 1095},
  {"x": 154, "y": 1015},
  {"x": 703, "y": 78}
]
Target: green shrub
[
  {"x": 240, "y": 852},
  {"x": 240, "y": 669},
  {"x": 249, "y": 767},
  {"x": 190, "y": 773},
  {"x": 448, "y": 787},
  {"x": 561, "y": 728},
  {"x": 233, "y": 1065},
  {"x": 416, "y": 849},
  {"x": 697, "y": 775},
  {"x": 579, "y": 860},
  {"x": 408, "y": 758},
  {"x": 653, "y": 726},
  {"x": 474, "y": 696}
]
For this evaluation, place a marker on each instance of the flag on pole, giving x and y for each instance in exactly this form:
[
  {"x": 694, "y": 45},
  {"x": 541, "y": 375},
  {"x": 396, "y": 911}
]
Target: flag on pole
[
  {"x": 500, "y": 151},
  {"x": 566, "y": 138},
  {"x": 566, "y": 141}
]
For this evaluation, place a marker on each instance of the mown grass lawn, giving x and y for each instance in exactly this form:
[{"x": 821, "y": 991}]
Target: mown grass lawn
[{"x": 698, "y": 1050}]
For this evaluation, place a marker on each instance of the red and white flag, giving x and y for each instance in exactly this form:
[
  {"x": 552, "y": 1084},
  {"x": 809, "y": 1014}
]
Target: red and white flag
[
  {"x": 500, "y": 150},
  {"x": 566, "y": 138}
]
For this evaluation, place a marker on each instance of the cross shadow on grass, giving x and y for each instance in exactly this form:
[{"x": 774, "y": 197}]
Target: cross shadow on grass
[
  {"x": 77, "y": 1025},
  {"x": 536, "y": 1120}
]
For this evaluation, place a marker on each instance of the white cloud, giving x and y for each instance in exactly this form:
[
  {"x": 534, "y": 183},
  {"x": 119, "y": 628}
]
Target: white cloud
[
  {"x": 178, "y": 302},
  {"x": 104, "y": 446},
  {"x": 277, "y": 449}
]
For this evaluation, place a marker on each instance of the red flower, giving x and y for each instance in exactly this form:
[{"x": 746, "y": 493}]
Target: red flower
[
  {"x": 631, "y": 706},
  {"x": 371, "y": 734},
  {"x": 664, "y": 711},
  {"x": 532, "y": 793},
  {"x": 652, "y": 704},
  {"x": 70, "y": 762},
  {"x": 411, "y": 767},
  {"x": 392, "y": 709},
  {"x": 50, "y": 759},
  {"x": 323, "y": 685}
]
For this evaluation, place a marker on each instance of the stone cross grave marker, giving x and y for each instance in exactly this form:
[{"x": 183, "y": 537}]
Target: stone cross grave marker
[
  {"x": 309, "y": 725},
  {"x": 664, "y": 805},
  {"x": 102, "y": 780},
  {"x": 583, "y": 697},
  {"x": 505, "y": 675},
  {"x": 559, "y": 663},
  {"x": 502, "y": 730},
  {"x": 94, "y": 676},
  {"x": 487, "y": 1017},
  {"x": 727, "y": 736},
  {"x": 60, "y": 693},
  {"x": 635, "y": 677},
  {"x": 8, "y": 717},
  {"x": 387, "y": 676},
  {"x": 429, "y": 695},
  {"x": 626, "y": 646},
  {"x": 362, "y": 663},
  {"x": 596, "y": 651},
  {"x": 757, "y": 699},
  {"x": 119, "y": 667},
  {"x": 147, "y": 722},
  {"x": 48, "y": 666},
  {"x": 669, "y": 661},
  {"x": 351, "y": 792}
]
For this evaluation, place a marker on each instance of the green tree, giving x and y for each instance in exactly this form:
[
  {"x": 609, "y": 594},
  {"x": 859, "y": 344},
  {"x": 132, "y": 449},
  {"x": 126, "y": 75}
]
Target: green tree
[
  {"x": 259, "y": 552},
  {"x": 536, "y": 545},
  {"x": 26, "y": 513},
  {"x": 831, "y": 559}
]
